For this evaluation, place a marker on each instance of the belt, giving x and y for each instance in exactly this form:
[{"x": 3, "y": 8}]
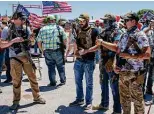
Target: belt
[
  {"x": 52, "y": 49},
  {"x": 140, "y": 72}
]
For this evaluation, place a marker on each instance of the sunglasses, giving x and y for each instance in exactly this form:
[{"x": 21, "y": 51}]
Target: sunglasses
[
  {"x": 126, "y": 20},
  {"x": 106, "y": 21}
]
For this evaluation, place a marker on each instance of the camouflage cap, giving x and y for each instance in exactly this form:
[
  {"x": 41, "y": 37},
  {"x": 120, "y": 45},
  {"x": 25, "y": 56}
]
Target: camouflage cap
[
  {"x": 109, "y": 17},
  {"x": 130, "y": 15},
  {"x": 83, "y": 16}
]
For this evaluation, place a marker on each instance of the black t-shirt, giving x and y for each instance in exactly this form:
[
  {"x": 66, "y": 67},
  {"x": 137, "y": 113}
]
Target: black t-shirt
[{"x": 87, "y": 42}]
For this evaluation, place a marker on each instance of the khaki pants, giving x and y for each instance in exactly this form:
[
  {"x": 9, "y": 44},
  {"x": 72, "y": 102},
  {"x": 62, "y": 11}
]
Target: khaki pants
[
  {"x": 130, "y": 91},
  {"x": 16, "y": 73}
]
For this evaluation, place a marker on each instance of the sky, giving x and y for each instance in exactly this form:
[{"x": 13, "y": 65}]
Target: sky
[{"x": 95, "y": 9}]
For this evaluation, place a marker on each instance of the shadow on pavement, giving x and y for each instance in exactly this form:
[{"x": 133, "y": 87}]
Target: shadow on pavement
[
  {"x": 4, "y": 109},
  {"x": 44, "y": 88},
  {"x": 75, "y": 110},
  {"x": 5, "y": 84},
  {"x": 27, "y": 105}
]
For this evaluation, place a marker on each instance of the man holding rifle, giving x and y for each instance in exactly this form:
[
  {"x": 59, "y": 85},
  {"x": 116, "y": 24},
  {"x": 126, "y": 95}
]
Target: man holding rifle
[
  {"x": 132, "y": 50},
  {"x": 20, "y": 59}
]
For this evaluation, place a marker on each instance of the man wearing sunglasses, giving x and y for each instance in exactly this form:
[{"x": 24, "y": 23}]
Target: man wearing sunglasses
[
  {"x": 86, "y": 37},
  {"x": 133, "y": 49}
]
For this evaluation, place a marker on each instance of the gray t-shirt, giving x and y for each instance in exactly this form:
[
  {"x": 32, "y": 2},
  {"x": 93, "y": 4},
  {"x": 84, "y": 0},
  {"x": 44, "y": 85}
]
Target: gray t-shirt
[{"x": 4, "y": 34}]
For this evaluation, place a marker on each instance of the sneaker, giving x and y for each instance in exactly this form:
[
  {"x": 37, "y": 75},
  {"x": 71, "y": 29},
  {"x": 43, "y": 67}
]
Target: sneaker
[
  {"x": 40, "y": 101},
  {"x": 51, "y": 84},
  {"x": 14, "y": 106},
  {"x": 77, "y": 103},
  {"x": 62, "y": 83},
  {"x": 0, "y": 91},
  {"x": 88, "y": 107},
  {"x": 100, "y": 107}
]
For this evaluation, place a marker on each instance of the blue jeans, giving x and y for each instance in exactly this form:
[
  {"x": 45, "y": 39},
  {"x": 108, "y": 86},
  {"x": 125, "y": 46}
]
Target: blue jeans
[
  {"x": 54, "y": 59},
  {"x": 7, "y": 63},
  {"x": 105, "y": 90},
  {"x": 97, "y": 56},
  {"x": 81, "y": 67},
  {"x": 2, "y": 53}
]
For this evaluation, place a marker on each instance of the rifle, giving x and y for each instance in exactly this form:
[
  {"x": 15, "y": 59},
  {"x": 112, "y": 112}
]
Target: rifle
[
  {"x": 62, "y": 46},
  {"x": 27, "y": 52},
  {"x": 132, "y": 40}
]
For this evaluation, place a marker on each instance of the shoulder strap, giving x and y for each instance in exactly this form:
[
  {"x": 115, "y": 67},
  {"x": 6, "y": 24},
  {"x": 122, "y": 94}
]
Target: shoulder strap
[{"x": 58, "y": 28}]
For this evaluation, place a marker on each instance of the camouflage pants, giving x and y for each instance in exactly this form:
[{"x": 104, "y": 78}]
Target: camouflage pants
[{"x": 130, "y": 91}]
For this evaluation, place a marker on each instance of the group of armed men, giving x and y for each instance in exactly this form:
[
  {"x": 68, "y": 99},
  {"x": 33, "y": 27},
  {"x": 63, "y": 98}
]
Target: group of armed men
[{"x": 125, "y": 54}]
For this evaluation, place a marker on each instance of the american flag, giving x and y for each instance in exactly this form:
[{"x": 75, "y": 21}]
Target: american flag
[
  {"x": 35, "y": 20},
  {"x": 147, "y": 16},
  {"x": 50, "y": 7}
]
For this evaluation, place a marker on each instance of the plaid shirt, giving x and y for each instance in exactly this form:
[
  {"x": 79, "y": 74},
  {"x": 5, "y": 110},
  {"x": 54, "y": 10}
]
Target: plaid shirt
[{"x": 49, "y": 36}]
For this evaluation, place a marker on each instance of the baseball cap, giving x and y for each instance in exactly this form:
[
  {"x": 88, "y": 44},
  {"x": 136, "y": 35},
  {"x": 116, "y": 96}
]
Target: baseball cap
[
  {"x": 83, "y": 16},
  {"x": 97, "y": 21},
  {"x": 4, "y": 22},
  {"x": 130, "y": 15},
  {"x": 109, "y": 17},
  {"x": 19, "y": 15},
  {"x": 51, "y": 17}
]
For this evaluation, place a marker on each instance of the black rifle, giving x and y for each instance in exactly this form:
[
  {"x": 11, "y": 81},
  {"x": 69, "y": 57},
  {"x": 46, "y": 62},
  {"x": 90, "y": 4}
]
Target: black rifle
[
  {"x": 61, "y": 44},
  {"x": 23, "y": 46},
  {"x": 131, "y": 41}
]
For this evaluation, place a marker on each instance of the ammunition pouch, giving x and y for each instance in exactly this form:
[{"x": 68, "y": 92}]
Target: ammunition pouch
[{"x": 109, "y": 65}]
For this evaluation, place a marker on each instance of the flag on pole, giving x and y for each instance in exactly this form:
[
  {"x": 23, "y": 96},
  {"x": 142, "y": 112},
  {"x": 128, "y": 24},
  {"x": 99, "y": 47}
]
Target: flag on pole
[
  {"x": 21, "y": 8},
  {"x": 147, "y": 16},
  {"x": 50, "y": 7}
]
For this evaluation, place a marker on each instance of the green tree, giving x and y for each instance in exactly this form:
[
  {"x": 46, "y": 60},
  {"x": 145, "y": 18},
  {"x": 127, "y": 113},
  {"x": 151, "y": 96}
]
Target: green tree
[{"x": 141, "y": 12}]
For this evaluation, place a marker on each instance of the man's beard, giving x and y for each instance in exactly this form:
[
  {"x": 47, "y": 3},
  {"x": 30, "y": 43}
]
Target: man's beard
[{"x": 85, "y": 26}]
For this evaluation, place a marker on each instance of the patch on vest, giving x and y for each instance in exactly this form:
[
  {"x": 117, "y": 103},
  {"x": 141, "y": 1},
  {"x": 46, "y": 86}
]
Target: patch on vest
[{"x": 85, "y": 38}]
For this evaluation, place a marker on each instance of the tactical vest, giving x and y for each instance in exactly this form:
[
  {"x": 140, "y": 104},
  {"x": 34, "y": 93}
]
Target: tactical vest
[
  {"x": 19, "y": 47},
  {"x": 84, "y": 39},
  {"x": 107, "y": 36}
]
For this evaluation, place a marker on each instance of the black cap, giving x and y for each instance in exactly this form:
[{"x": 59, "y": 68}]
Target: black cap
[
  {"x": 130, "y": 15},
  {"x": 19, "y": 15}
]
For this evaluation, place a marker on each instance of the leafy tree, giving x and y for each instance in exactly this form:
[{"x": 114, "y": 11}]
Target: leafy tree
[{"x": 141, "y": 12}]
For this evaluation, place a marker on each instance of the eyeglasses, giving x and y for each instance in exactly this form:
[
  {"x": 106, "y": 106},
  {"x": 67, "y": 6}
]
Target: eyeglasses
[{"x": 106, "y": 21}]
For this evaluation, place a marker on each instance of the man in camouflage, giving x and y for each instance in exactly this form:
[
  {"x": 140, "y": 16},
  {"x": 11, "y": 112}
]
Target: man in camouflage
[
  {"x": 133, "y": 49},
  {"x": 112, "y": 35}
]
